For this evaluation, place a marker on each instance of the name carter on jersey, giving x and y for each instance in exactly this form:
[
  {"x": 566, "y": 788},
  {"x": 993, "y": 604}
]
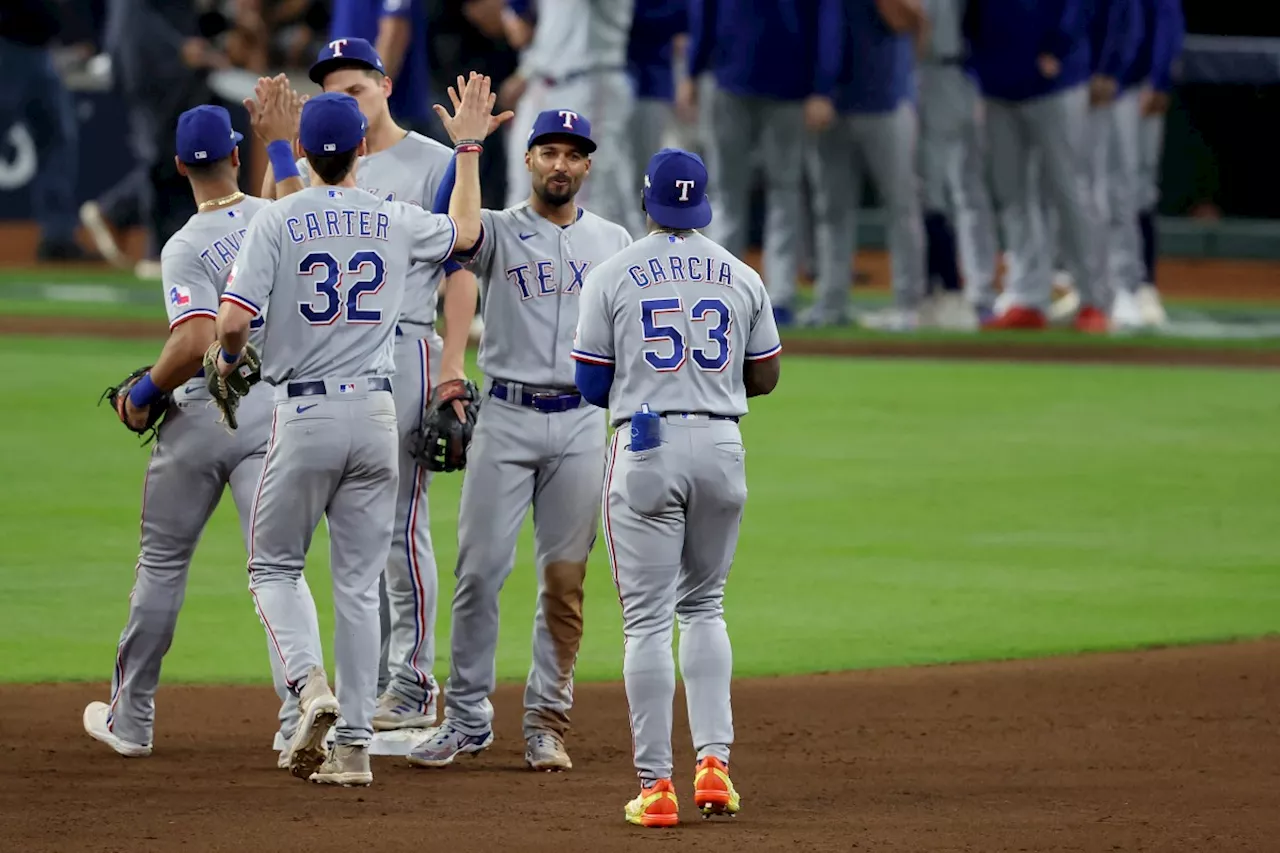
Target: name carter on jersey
[
  {"x": 365, "y": 224},
  {"x": 676, "y": 268}
]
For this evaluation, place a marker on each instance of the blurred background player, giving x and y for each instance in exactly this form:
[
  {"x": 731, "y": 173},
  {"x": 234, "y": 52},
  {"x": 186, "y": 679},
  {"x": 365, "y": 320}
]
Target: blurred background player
[
  {"x": 873, "y": 127},
  {"x": 756, "y": 118},
  {"x": 397, "y": 29},
  {"x": 658, "y": 43},
  {"x": 33, "y": 92},
  {"x": 958, "y": 218},
  {"x": 673, "y": 496},
  {"x": 1032, "y": 63},
  {"x": 576, "y": 59}
]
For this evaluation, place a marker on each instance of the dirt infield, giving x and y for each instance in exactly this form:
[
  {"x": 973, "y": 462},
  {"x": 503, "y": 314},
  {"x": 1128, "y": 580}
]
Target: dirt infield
[
  {"x": 1177, "y": 749},
  {"x": 979, "y": 347}
]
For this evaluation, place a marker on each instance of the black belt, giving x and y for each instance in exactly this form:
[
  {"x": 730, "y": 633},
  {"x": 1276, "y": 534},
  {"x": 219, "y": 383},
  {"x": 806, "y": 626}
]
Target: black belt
[
  {"x": 428, "y": 326},
  {"x": 706, "y": 415},
  {"x": 545, "y": 402},
  {"x": 574, "y": 75},
  {"x": 318, "y": 388}
]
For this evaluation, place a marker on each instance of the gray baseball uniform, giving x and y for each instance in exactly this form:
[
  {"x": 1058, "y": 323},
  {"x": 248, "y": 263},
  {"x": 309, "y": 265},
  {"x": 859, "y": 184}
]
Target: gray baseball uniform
[
  {"x": 669, "y": 313},
  {"x": 333, "y": 262},
  {"x": 193, "y": 460},
  {"x": 578, "y": 61},
  {"x": 536, "y": 442},
  {"x": 410, "y": 171},
  {"x": 952, "y": 149}
]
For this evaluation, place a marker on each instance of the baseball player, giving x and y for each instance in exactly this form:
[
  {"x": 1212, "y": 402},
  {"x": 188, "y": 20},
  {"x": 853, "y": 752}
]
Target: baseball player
[
  {"x": 953, "y": 170},
  {"x": 194, "y": 458},
  {"x": 674, "y": 334},
  {"x": 577, "y": 60},
  {"x": 1032, "y": 64},
  {"x": 1165, "y": 31},
  {"x": 405, "y": 166},
  {"x": 332, "y": 260},
  {"x": 768, "y": 66},
  {"x": 657, "y": 44},
  {"x": 876, "y": 126},
  {"x": 537, "y": 442}
]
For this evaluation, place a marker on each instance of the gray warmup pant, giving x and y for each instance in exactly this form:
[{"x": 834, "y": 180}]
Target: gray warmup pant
[
  {"x": 1115, "y": 184},
  {"x": 671, "y": 521},
  {"x": 885, "y": 145},
  {"x": 554, "y": 462},
  {"x": 651, "y": 119},
  {"x": 953, "y": 168},
  {"x": 194, "y": 459},
  {"x": 1151, "y": 149},
  {"x": 334, "y": 455},
  {"x": 409, "y": 590},
  {"x": 746, "y": 132},
  {"x": 605, "y": 98},
  {"x": 1041, "y": 145}
]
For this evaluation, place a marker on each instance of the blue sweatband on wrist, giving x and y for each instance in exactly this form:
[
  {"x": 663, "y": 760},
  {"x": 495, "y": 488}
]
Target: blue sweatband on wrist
[
  {"x": 230, "y": 358},
  {"x": 283, "y": 166},
  {"x": 144, "y": 392}
]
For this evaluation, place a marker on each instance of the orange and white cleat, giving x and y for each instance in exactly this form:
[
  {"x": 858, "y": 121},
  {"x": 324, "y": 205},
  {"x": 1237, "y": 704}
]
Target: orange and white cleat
[
  {"x": 713, "y": 791},
  {"x": 1092, "y": 321},
  {"x": 656, "y": 806}
]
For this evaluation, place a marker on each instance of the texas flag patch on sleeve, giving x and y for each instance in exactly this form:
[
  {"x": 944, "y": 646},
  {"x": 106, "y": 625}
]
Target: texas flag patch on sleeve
[{"x": 180, "y": 296}]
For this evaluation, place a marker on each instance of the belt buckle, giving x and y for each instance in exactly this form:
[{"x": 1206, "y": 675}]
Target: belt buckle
[{"x": 541, "y": 401}]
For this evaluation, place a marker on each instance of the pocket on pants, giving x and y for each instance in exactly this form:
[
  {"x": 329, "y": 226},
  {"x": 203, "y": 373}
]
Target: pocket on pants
[
  {"x": 645, "y": 482},
  {"x": 731, "y": 459}
]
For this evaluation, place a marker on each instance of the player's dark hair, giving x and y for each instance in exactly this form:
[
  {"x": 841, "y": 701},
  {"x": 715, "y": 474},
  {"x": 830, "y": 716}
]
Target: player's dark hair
[
  {"x": 332, "y": 168},
  {"x": 208, "y": 170}
]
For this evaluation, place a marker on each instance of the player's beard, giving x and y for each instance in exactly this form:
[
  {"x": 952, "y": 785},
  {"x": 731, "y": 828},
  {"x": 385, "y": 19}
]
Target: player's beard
[{"x": 557, "y": 190}]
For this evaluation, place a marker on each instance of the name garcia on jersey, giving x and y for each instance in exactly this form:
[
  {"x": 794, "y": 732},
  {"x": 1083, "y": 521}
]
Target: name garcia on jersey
[{"x": 677, "y": 268}]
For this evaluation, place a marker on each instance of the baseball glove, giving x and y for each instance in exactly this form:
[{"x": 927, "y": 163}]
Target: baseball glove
[
  {"x": 155, "y": 412},
  {"x": 442, "y": 441},
  {"x": 228, "y": 390}
]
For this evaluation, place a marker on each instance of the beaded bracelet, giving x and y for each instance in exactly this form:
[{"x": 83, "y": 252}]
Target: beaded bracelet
[{"x": 468, "y": 146}]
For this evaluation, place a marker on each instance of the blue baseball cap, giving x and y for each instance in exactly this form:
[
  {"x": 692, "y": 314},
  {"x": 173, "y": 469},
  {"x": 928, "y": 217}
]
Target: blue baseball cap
[
  {"x": 675, "y": 190},
  {"x": 331, "y": 123},
  {"x": 345, "y": 53},
  {"x": 562, "y": 123},
  {"x": 205, "y": 135}
]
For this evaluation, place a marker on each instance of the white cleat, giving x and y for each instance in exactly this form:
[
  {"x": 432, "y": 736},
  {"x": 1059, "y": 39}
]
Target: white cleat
[
  {"x": 1152, "y": 308},
  {"x": 95, "y": 723},
  {"x": 1126, "y": 313},
  {"x": 347, "y": 765},
  {"x": 320, "y": 712}
]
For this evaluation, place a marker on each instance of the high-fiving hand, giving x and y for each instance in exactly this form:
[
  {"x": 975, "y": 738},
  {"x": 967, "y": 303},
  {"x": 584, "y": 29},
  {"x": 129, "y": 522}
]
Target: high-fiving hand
[
  {"x": 275, "y": 109},
  {"x": 473, "y": 116}
]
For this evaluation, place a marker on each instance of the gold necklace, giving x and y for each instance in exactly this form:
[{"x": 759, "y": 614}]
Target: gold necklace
[{"x": 219, "y": 202}]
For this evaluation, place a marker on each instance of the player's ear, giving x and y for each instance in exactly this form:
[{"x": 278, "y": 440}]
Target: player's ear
[
  {"x": 363, "y": 148},
  {"x": 386, "y": 85},
  {"x": 182, "y": 167},
  {"x": 528, "y": 159},
  {"x": 235, "y": 157},
  {"x": 298, "y": 153}
]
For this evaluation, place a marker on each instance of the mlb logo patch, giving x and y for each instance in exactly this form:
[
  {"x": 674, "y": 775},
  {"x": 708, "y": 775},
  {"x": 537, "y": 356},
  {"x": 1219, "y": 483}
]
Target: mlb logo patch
[
  {"x": 345, "y": 387},
  {"x": 335, "y": 193},
  {"x": 674, "y": 238},
  {"x": 180, "y": 296},
  {"x": 233, "y": 213}
]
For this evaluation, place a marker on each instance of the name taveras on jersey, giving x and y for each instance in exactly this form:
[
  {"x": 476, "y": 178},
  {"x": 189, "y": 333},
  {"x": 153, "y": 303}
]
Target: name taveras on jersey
[
  {"x": 679, "y": 268},
  {"x": 223, "y": 251}
]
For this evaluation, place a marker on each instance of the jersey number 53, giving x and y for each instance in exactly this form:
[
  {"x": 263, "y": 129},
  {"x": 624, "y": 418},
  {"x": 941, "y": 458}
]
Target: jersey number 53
[
  {"x": 328, "y": 303},
  {"x": 710, "y": 312}
]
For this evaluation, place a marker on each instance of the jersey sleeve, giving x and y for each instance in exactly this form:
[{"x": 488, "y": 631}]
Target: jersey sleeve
[
  {"x": 431, "y": 235},
  {"x": 593, "y": 343},
  {"x": 480, "y": 256},
  {"x": 189, "y": 292},
  {"x": 763, "y": 342},
  {"x": 254, "y": 272}
]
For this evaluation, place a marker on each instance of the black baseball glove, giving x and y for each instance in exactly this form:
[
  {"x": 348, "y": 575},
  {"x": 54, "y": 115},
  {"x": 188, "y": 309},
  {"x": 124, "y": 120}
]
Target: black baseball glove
[
  {"x": 441, "y": 443},
  {"x": 155, "y": 412}
]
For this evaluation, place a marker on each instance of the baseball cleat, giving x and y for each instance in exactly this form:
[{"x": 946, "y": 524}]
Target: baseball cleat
[
  {"x": 445, "y": 743},
  {"x": 320, "y": 712},
  {"x": 393, "y": 713},
  {"x": 1150, "y": 307},
  {"x": 713, "y": 791},
  {"x": 96, "y": 715},
  {"x": 1092, "y": 321},
  {"x": 656, "y": 806},
  {"x": 545, "y": 751},
  {"x": 282, "y": 760},
  {"x": 100, "y": 232},
  {"x": 347, "y": 765},
  {"x": 1018, "y": 317}
]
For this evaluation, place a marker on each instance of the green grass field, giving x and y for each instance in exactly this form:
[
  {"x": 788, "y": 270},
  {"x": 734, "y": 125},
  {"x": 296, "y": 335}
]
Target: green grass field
[{"x": 899, "y": 513}]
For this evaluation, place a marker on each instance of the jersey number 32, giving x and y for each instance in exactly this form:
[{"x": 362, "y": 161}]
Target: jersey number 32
[
  {"x": 710, "y": 312},
  {"x": 329, "y": 302}
]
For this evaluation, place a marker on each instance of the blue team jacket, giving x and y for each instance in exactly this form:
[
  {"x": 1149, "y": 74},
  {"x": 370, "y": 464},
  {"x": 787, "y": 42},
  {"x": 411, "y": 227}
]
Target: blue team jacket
[
  {"x": 1162, "y": 34},
  {"x": 1115, "y": 34},
  {"x": 877, "y": 65},
  {"x": 411, "y": 90},
  {"x": 765, "y": 48},
  {"x": 653, "y": 28},
  {"x": 1006, "y": 37}
]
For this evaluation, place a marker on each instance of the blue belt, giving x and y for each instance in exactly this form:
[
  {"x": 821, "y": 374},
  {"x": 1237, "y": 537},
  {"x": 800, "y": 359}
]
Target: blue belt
[
  {"x": 318, "y": 388},
  {"x": 706, "y": 415},
  {"x": 544, "y": 402}
]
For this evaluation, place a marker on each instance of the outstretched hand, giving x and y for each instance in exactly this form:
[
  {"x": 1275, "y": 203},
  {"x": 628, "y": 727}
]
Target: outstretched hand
[
  {"x": 275, "y": 109},
  {"x": 473, "y": 102}
]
